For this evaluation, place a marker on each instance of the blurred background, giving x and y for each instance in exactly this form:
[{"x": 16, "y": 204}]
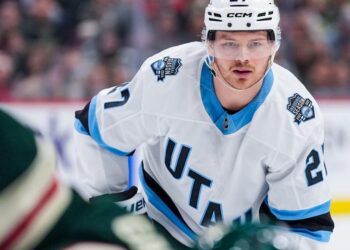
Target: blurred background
[
  {"x": 56, "y": 54},
  {"x": 68, "y": 50}
]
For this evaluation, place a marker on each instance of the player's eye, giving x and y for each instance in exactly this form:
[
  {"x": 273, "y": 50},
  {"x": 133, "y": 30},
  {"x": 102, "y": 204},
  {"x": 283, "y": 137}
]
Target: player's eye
[
  {"x": 255, "y": 45},
  {"x": 230, "y": 45}
]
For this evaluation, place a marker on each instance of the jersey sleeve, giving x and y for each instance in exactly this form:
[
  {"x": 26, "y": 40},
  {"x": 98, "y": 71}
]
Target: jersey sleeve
[
  {"x": 298, "y": 193},
  {"x": 108, "y": 130}
]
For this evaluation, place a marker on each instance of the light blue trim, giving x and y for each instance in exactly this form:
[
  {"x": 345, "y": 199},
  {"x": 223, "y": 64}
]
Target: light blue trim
[
  {"x": 131, "y": 172},
  {"x": 323, "y": 236},
  {"x": 300, "y": 214},
  {"x": 218, "y": 114},
  {"x": 79, "y": 127},
  {"x": 163, "y": 208},
  {"x": 95, "y": 131}
]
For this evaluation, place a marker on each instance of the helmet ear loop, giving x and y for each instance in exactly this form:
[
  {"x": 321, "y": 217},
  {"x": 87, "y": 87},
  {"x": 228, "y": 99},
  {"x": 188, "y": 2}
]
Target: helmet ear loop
[
  {"x": 209, "y": 60},
  {"x": 272, "y": 56},
  {"x": 271, "y": 60}
]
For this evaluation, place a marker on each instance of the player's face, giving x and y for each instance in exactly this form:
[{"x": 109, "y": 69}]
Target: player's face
[{"x": 241, "y": 57}]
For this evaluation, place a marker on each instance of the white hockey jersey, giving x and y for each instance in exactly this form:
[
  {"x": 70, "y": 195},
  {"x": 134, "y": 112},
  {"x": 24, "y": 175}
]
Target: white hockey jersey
[{"x": 202, "y": 165}]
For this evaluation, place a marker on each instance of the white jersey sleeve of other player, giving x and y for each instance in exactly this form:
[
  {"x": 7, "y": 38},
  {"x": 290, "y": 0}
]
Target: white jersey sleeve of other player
[{"x": 201, "y": 164}]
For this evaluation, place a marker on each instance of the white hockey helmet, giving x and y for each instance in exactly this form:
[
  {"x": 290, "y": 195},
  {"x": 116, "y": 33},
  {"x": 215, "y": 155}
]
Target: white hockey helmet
[{"x": 242, "y": 15}]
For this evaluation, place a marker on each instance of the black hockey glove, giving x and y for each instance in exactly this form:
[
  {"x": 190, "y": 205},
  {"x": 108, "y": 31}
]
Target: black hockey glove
[{"x": 131, "y": 200}]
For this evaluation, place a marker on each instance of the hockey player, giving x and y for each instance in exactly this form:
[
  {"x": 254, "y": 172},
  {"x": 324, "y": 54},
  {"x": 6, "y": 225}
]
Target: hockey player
[{"x": 226, "y": 134}]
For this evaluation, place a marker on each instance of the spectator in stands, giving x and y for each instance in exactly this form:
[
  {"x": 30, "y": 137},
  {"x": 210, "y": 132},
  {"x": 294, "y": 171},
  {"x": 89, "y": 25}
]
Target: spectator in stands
[
  {"x": 125, "y": 32},
  {"x": 6, "y": 70}
]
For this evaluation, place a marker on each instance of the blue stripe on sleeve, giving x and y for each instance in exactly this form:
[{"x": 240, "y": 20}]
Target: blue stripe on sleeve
[
  {"x": 323, "y": 236},
  {"x": 300, "y": 214},
  {"x": 95, "y": 131},
  {"x": 163, "y": 208},
  {"x": 132, "y": 174}
]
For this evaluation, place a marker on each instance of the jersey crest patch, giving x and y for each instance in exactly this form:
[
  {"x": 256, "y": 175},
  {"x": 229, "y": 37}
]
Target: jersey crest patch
[
  {"x": 300, "y": 107},
  {"x": 166, "y": 67}
]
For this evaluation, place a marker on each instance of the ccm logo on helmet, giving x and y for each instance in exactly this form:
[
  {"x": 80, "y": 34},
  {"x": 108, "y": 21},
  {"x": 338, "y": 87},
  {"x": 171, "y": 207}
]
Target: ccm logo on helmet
[{"x": 239, "y": 14}]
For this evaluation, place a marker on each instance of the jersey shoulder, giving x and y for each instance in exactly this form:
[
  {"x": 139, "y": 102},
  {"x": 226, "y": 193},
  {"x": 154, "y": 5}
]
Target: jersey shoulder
[
  {"x": 289, "y": 119},
  {"x": 170, "y": 76},
  {"x": 287, "y": 82},
  {"x": 297, "y": 109},
  {"x": 179, "y": 61}
]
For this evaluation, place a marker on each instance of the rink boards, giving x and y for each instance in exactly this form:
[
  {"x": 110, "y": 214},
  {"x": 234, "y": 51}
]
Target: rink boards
[{"x": 55, "y": 120}]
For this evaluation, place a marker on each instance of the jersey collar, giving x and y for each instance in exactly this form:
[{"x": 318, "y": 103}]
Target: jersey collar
[{"x": 226, "y": 123}]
